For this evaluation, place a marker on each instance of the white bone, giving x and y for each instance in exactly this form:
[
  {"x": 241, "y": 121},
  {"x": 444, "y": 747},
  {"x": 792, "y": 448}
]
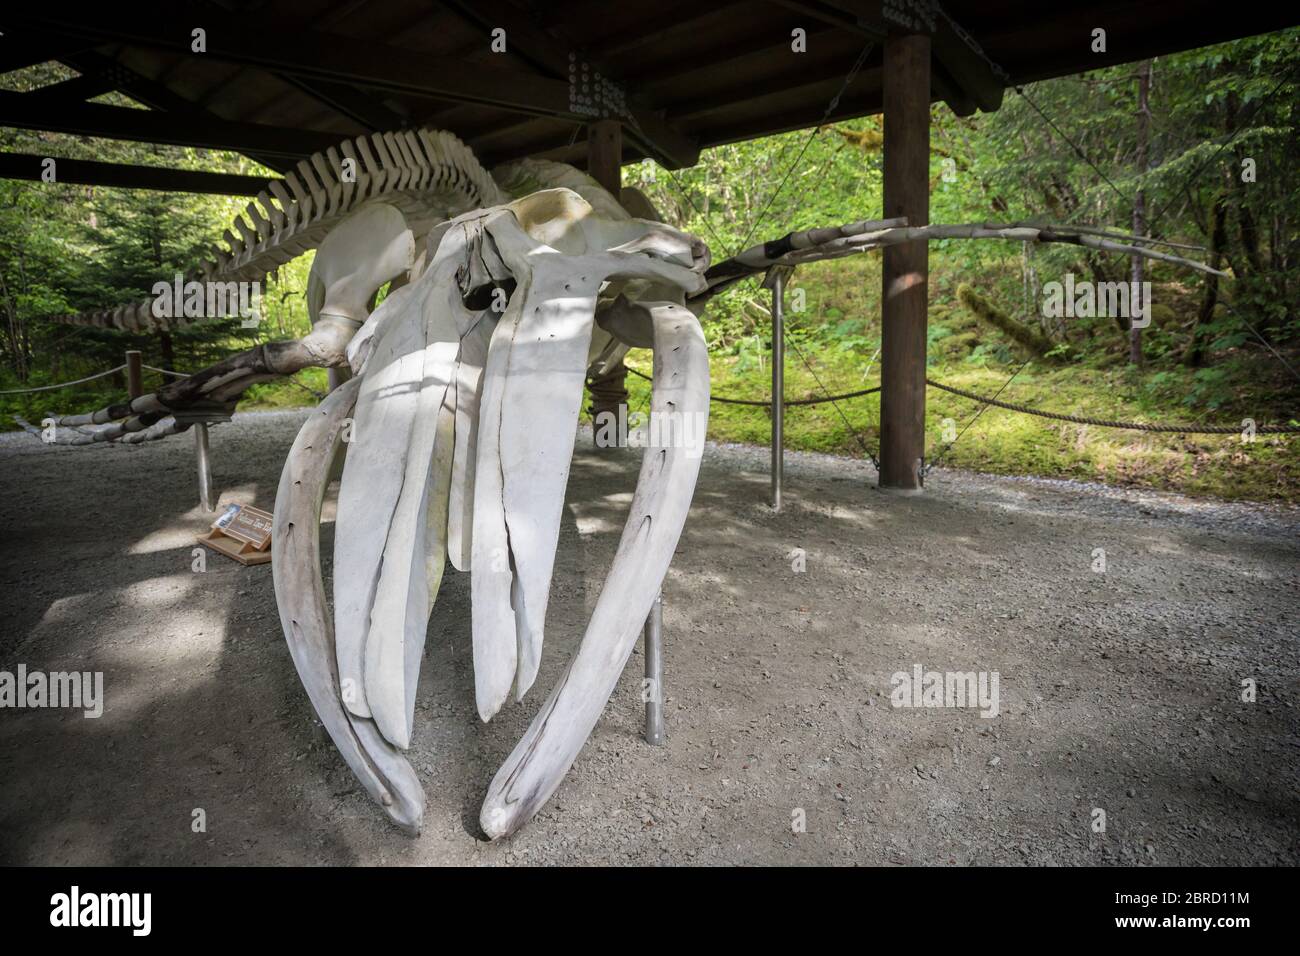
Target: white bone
[
  {"x": 300, "y": 594},
  {"x": 469, "y": 392},
  {"x": 539, "y": 761},
  {"x": 372, "y": 476},
  {"x": 399, "y": 617},
  {"x": 532, "y": 394},
  {"x": 384, "y": 561},
  {"x": 364, "y": 251}
]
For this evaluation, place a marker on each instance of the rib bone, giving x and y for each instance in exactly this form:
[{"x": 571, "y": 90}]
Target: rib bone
[
  {"x": 300, "y": 594},
  {"x": 532, "y": 394},
  {"x": 668, "y": 472}
]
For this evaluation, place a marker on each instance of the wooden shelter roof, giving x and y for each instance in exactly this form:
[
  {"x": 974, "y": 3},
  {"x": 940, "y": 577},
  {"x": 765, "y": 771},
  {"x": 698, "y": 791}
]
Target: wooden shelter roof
[{"x": 279, "y": 80}]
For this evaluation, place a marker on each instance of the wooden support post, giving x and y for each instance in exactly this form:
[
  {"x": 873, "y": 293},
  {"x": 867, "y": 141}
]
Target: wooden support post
[
  {"x": 604, "y": 164},
  {"x": 906, "y": 98},
  {"x": 605, "y": 155},
  {"x": 134, "y": 374}
]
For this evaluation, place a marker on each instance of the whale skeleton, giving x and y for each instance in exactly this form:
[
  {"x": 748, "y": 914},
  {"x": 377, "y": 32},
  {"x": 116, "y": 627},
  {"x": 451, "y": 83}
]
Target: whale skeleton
[{"x": 456, "y": 430}]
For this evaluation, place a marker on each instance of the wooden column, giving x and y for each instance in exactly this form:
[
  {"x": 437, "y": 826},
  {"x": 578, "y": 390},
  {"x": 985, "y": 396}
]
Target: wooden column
[
  {"x": 134, "y": 374},
  {"x": 605, "y": 165},
  {"x": 605, "y": 154},
  {"x": 906, "y": 268}
]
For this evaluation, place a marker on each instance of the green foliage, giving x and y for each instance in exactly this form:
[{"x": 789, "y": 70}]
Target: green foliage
[
  {"x": 66, "y": 248},
  {"x": 1030, "y": 339}
]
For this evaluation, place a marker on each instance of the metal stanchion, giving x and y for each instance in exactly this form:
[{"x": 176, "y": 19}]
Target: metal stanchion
[
  {"x": 205, "y": 470},
  {"x": 776, "y": 282},
  {"x": 653, "y": 687}
]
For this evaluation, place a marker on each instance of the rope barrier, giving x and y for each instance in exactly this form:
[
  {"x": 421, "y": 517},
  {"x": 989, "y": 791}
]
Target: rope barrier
[
  {"x": 289, "y": 380},
  {"x": 1109, "y": 423},
  {"x": 163, "y": 371},
  {"x": 1187, "y": 429},
  {"x": 50, "y": 388},
  {"x": 768, "y": 403}
]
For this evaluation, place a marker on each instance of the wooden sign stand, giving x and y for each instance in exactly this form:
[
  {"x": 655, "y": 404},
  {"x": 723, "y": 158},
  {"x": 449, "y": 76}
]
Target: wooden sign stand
[{"x": 242, "y": 533}]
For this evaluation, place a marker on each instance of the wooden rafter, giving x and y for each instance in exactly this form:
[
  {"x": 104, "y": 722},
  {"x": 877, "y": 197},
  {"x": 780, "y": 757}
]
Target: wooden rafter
[
  {"x": 340, "y": 59},
  {"x": 21, "y": 111},
  {"x": 92, "y": 173},
  {"x": 151, "y": 93}
]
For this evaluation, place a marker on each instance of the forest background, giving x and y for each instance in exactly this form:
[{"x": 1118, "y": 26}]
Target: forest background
[{"x": 1197, "y": 148}]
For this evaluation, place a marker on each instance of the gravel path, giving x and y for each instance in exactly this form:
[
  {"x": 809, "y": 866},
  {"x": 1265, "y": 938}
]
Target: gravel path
[{"x": 1118, "y": 691}]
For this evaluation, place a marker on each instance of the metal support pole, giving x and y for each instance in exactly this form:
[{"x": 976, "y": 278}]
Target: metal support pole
[
  {"x": 653, "y": 688},
  {"x": 205, "y": 471},
  {"x": 778, "y": 386}
]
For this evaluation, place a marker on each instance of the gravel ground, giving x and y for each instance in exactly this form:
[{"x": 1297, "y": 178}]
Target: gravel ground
[{"x": 1119, "y": 691}]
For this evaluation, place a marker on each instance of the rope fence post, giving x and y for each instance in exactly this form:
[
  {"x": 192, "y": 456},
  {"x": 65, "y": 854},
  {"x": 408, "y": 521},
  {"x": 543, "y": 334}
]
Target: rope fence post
[
  {"x": 202, "y": 459},
  {"x": 776, "y": 282},
  {"x": 654, "y": 673},
  {"x": 204, "y": 466},
  {"x": 134, "y": 374}
]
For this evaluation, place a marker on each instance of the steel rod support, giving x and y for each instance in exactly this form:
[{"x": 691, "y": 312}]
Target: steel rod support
[
  {"x": 653, "y": 686},
  {"x": 205, "y": 470},
  {"x": 778, "y": 387}
]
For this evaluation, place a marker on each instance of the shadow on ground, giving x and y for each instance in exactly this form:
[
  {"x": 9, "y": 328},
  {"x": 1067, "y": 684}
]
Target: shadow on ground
[{"x": 1119, "y": 691}]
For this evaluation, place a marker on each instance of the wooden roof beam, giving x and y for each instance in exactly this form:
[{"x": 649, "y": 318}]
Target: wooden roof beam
[
  {"x": 22, "y": 111},
  {"x": 687, "y": 24},
  {"x": 971, "y": 72},
  {"x": 539, "y": 48},
  {"x": 552, "y": 54},
  {"x": 92, "y": 173},
  {"x": 150, "y": 92},
  {"x": 76, "y": 90},
  {"x": 735, "y": 58},
  {"x": 969, "y": 77},
  {"x": 31, "y": 51},
  {"x": 804, "y": 79},
  {"x": 365, "y": 111},
  {"x": 340, "y": 59},
  {"x": 850, "y": 106},
  {"x": 836, "y": 15}
]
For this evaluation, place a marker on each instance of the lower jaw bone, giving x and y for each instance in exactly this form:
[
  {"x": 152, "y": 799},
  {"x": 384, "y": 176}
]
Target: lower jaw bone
[
  {"x": 308, "y": 628},
  {"x": 663, "y": 495},
  {"x": 418, "y": 484}
]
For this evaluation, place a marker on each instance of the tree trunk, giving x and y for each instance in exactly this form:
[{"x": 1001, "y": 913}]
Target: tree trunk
[
  {"x": 168, "y": 353},
  {"x": 1194, "y": 355},
  {"x": 164, "y": 338},
  {"x": 1138, "y": 271}
]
